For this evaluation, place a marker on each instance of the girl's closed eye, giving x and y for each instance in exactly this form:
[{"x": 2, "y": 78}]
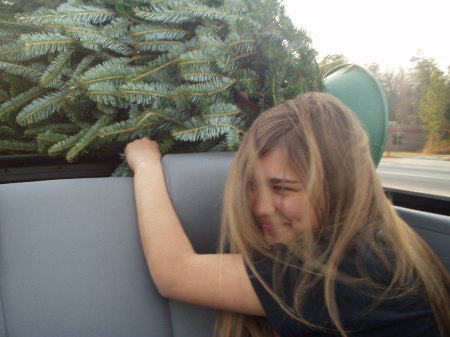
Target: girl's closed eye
[
  {"x": 283, "y": 186},
  {"x": 284, "y": 189}
]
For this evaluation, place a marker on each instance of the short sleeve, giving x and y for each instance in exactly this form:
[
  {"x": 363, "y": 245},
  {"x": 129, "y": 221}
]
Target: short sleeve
[
  {"x": 273, "y": 310},
  {"x": 359, "y": 310},
  {"x": 281, "y": 322}
]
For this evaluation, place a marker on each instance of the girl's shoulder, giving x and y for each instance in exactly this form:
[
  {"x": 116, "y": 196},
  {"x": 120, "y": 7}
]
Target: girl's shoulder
[{"x": 365, "y": 303}]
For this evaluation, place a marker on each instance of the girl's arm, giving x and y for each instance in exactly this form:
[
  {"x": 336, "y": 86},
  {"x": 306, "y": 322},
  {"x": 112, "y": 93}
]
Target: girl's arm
[{"x": 213, "y": 280}]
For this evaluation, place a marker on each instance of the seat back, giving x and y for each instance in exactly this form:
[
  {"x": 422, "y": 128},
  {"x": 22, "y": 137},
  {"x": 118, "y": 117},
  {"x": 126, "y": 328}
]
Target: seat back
[
  {"x": 433, "y": 228},
  {"x": 195, "y": 182},
  {"x": 71, "y": 263}
]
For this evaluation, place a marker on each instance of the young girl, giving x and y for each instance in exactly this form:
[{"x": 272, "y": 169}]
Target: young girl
[{"x": 310, "y": 245}]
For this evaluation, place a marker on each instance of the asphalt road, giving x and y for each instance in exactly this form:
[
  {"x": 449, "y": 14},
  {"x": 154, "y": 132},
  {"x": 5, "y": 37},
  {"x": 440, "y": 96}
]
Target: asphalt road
[{"x": 429, "y": 175}]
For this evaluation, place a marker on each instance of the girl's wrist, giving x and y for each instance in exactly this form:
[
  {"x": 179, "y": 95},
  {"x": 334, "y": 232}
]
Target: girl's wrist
[{"x": 147, "y": 164}]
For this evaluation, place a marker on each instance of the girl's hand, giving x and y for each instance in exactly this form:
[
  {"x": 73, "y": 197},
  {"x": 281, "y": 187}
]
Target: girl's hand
[{"x": 142, "y": 151}]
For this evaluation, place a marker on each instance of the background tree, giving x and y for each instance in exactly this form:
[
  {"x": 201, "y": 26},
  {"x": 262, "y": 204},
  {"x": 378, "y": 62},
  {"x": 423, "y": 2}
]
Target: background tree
[
  {"x": 416, "y": 96},
  {"x": 391, "y": 81},
  {"x": 406, "y": 112},
  {"x": 191, "y": 73},
  {"x": 331, "y": 61},
  {"x": 420, "y": 77},
  {"x": 434, "y": 111},
  {"x": 420, "y": 96}
]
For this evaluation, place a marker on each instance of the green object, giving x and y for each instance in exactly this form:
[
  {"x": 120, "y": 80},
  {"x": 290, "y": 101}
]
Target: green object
[
  {"x": 192, "y": 75},
  {"x": 362, "y": 93}
]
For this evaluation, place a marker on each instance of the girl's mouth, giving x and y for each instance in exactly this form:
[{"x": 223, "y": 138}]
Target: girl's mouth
[{"x": 268, "y": 228}]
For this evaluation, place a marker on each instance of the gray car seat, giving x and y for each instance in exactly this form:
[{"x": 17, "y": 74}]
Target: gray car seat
[{"x": 71, "y": 264}]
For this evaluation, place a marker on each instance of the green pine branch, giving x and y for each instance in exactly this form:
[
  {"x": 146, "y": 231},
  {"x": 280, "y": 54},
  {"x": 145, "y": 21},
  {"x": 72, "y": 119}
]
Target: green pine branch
[
  {"x": 157, "y": 46},
  {"x": 201, "y": 66},
  {"x": 53, "y": 128},
  {"x": 240, "y": 44},
  {"x": 90, "y": 35},
  {"x": 118, "y": 27},
  {"x": 160, "y": 64},
  {"x": 6, "y": 132},
  {"x": 209, "y": 41},
  {"x": 123, "y": 170},
  {"x": 14, "y": 146},
  {"x": 37, "y": 44},
  {"x": 223, "y": 14},
  {"x": 146, "y": 120},
  {"x": 87, "y": 139},
  {"x": 80, "y": 68},
  {"x": 161, "y": 14},
  {"x": 196, "y": 56},
  {"x": 154, "y": 94},
  {"x": 105, "y": 93},
  {"x": 66, "y": 144},
  {"x": 7, "y": 37},
  {"x": 115, "y": 70},
  {"x": 55, "y": 69},
  {"x": 200, "y": 77},
  {"x": 226, "y": 64},
  {"x": 148, "y": 32},
  {"x": 4, "y": 95},
  {"x": 67, "y": 15},
  {"x": 213, "y": 87},
  {"x": 197, "y": 129},
  {"x": 17, "y": 102},
  {"x": 47, "y": 139},
  {"x": 41, "y": 108},
  {"x": 248, "y": 81},
  {"x": 25, "y": 71},
  {"x": 220, "y": 110},
  {"x": 13, "y": 52}
]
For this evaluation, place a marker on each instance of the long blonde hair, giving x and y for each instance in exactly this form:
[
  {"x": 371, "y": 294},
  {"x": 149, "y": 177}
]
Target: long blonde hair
[{"x": 323, "y": 142}]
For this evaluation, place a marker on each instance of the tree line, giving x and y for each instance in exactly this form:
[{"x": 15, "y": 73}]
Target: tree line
[{"x": 419, "y": 95}]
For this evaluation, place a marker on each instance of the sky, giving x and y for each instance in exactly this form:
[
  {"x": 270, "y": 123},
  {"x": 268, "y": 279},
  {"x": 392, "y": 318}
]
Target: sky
[{"x": 388, "y": 32}]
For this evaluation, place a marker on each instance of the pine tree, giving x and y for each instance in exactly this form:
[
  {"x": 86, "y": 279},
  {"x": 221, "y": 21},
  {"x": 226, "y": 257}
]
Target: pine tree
[
  {"x": 434, "y": 112},
  {"x": 89, "y": 76}
]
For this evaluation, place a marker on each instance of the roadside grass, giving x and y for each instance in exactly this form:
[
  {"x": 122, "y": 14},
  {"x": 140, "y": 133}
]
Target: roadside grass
[{"x": 403, "y": 154}]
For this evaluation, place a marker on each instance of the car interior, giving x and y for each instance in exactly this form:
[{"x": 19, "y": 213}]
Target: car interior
[{"x": 71, "y": 262}]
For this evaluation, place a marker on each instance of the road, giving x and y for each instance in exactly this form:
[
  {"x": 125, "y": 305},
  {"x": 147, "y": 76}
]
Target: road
[{"x": 420, "y": 174}]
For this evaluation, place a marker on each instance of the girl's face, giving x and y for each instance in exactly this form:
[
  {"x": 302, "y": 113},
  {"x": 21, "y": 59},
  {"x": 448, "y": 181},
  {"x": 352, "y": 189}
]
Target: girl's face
[{"x": 284, "y": 212}]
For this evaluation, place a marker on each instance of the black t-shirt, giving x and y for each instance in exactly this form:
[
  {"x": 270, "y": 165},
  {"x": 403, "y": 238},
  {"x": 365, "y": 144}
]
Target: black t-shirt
[{"x": 405, "y": 316}]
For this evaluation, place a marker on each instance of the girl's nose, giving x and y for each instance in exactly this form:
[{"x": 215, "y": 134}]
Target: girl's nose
[{"x": 262, "y": 204}]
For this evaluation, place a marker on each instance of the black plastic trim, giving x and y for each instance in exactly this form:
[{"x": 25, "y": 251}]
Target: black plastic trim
[
  {"x": 419, "y": 201},
  {"x": 23, "y": 168}
]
